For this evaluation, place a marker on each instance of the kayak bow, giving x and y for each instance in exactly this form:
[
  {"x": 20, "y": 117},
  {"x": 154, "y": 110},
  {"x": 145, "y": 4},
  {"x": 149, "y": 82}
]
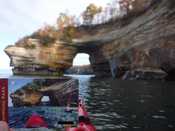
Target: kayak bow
[
  {"x": 36, "y": 121},
  {"x": 84, "y": 121}
]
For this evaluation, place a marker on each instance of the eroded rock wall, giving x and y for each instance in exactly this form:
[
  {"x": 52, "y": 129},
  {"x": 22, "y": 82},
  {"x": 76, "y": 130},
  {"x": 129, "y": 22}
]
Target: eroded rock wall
[
  {"x": 138, "y": 46},
  {"x": 147, "y": 44},
  {"x": 42, "y": 60}
]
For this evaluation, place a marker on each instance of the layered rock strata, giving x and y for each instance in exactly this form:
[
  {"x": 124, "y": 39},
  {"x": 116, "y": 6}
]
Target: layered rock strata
[
  {"x": 59, "y": 91},
  {"x": 143, "y": 43}
]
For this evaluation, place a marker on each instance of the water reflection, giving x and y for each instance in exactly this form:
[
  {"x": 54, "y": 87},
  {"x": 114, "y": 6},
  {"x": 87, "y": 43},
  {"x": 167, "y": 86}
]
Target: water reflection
[{"x": 125, "y": 105}]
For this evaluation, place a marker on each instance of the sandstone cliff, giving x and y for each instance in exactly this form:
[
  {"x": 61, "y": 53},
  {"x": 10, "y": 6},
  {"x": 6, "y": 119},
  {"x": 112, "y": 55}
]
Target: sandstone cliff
[
  {"x": 141, "y": 46},
  {"x": 59, "y": 92},
  {"x": 43, "y": 60}
]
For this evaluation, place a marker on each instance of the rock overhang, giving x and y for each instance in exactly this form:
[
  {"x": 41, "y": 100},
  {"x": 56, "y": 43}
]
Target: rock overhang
[{"x": 115, "y": 49}]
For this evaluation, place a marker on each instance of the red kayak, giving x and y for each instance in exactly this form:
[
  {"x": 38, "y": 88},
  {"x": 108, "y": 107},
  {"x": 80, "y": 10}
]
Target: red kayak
[
  {"x": 84, "y": 121},
  {"x": 36, "y": 121}
]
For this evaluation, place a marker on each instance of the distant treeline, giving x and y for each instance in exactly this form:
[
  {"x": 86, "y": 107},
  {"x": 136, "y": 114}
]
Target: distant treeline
[
  {"x": 66, "y": 25},
  {"x": 83, "y": 70}
]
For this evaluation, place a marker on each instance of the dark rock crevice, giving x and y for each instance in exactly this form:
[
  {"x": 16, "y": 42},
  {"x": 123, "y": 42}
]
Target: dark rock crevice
[{"x": 171, "y": 75}]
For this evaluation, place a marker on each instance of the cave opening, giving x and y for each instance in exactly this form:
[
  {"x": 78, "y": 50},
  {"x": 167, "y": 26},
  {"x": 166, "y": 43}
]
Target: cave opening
[
  {"x": 81, "y": 59},
  {"x": 81, "y": 65},
  {"x": 45, "y": 100}
]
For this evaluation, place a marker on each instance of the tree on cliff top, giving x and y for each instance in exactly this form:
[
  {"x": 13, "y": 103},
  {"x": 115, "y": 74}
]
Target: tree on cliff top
[
  {"x": 135, "y": 6},
  {"x": 90, "y": 12},
  {"x": 46, "y": 35},
  {"x": 126, "y": 5},
  {"x": 65, "y": 20},
  {"x": 69, "y": 33}
]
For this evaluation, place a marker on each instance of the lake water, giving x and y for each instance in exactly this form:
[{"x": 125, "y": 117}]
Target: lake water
[
  {"x": 52, "y": 116},
  {"x": 116, "y": 105}
]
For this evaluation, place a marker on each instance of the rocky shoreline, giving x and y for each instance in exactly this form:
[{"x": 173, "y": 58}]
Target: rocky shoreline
[{"x": 134, "y": 47}]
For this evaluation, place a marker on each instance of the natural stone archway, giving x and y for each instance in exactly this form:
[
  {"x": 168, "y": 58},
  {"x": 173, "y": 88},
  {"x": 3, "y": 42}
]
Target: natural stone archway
[
  {"x": 99, "y": 63},
  {"x": 139, "y": 46},
  {"x": 81, "y": 65},
  {"x": 58, "y": 91},
  {"x": 50, "y": 60}
]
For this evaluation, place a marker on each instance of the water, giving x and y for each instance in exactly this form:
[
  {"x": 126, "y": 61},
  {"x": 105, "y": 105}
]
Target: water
[
  {"x": 52, "y": 116},
  {"x": 128, "y": 105},
  {"x": 116, "y": 105},
  {"x": 5, "y": 73}
]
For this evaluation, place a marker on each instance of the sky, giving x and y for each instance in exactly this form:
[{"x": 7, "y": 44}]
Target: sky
[
  {"x": 19, "y": 18},
  {"x": 81, "y": 59}
]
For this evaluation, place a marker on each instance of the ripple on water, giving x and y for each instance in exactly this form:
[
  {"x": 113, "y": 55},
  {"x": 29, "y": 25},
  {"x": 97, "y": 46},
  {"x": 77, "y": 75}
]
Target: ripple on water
[
  {"x": 159, "y": 117},
  {"x": 129, "y": 104}
]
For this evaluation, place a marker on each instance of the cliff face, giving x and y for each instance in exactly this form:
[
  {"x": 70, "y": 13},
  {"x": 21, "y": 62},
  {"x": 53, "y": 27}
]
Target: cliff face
[
  {"x": 139, "y": 47},
  {"x": 59, "y": 92},
  {"x": 145, "y": 46},
  {"x": 43, "y": 60}
]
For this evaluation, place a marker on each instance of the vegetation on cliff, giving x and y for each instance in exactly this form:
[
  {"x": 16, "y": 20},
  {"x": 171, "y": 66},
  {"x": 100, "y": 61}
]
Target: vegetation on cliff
[
  {"x": 137, "y": 39},
  {"x": 67, "y": 26},
  {"x": 89, "y": 13}
]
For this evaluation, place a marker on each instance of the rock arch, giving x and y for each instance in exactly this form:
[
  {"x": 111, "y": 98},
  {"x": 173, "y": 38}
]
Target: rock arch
[{"x": 132, "y": 46}]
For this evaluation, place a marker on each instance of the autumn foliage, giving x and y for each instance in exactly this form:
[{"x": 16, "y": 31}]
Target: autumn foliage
[
  {"x": 69, "y": 33},
  {"x": 66, "y": 25},
  {"x": 130, "y": 6},
  {"x": 89, "y": 13},
  {"x": 46, "y": 35},
  {"x": 65, "y": 20}
]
